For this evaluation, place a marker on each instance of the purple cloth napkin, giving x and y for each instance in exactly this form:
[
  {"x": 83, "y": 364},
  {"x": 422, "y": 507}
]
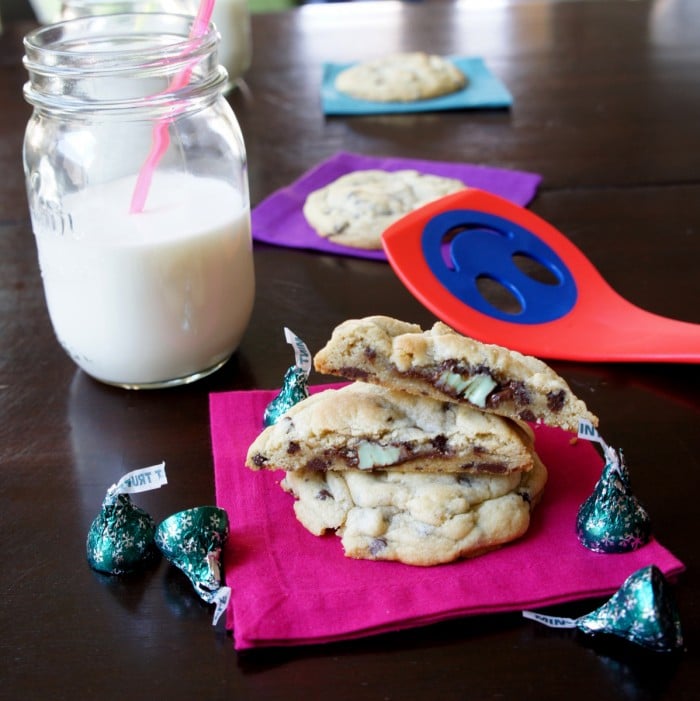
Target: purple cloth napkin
[
  {"x": 290, "y": 587},
  {"x": 279, "y": 219}
]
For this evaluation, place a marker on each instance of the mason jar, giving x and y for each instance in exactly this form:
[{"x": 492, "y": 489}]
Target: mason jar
[
  {"x": 231, "y": 17},
  {"x": 137, "y": 185}
]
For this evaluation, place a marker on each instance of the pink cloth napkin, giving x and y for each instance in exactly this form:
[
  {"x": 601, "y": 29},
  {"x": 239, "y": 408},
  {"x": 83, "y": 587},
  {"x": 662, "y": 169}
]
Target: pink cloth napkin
[
  {"x": 290, "y": 587},
  {"x": 279, "y": 219}
]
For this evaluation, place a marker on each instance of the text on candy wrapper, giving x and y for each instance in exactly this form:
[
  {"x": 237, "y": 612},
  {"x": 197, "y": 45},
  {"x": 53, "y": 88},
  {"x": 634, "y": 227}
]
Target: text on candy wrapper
[
  {"x": 143, "y": 480},
  {"x": 551, "y": 621},
  {"x": 587, "y": 431},
  {"x": 301, "y": 351}
]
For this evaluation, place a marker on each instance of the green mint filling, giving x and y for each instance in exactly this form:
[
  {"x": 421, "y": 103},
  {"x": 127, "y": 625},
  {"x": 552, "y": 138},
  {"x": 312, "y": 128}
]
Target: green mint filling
[
  {"x": 474, "y": 389},
  {"x": 371, "y": 455},
  {"x": 453, "y": 380}
]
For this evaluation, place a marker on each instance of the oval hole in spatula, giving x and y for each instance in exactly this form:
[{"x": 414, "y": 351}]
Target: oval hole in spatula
[
  {"x": 534, "y": 269},
  {"x": 498, "y": 295}
]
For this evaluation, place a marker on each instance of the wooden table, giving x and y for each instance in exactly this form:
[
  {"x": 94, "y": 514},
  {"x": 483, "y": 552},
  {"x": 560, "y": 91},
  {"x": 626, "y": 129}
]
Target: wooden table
[{"x": 607, "y": 109}]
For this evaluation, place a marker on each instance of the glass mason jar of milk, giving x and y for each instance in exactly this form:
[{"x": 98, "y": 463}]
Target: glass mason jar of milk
[{"x": 138, "y": 193}]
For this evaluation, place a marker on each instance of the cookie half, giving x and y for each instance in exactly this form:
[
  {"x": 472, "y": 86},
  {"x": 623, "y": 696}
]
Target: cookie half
[
  {"x": 447, "y": 366},
  {"x": 416, "y": 518},
  {"x": 355, "y": 209},
  {"x": 365, "y": 427},
  {"x": 401, "y": 77}
]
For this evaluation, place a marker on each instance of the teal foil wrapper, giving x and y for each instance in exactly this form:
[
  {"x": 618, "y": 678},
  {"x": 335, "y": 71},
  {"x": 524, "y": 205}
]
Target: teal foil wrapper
[
  {"x": 642, "y": 611},
  {"x": 192, "y": 540},
  {"x": 612, "y": 520},
  {"x": 121, "y": 539},
  {"x": 294, "y": 389}
]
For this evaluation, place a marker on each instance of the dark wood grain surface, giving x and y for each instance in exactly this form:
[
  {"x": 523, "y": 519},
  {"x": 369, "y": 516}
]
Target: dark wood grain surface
[{"x": 607, "y": 109}]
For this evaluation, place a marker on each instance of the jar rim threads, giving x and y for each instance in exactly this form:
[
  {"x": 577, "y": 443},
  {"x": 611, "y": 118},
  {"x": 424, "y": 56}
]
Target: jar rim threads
[{"x": 148, "y": 47}]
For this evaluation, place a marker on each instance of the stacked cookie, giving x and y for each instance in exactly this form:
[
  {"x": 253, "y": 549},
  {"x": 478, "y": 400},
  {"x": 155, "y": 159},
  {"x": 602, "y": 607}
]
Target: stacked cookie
[{"x": 422, "y": 461}]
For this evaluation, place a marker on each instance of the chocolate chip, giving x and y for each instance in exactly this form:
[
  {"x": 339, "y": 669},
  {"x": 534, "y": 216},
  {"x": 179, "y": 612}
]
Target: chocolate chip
[
  {"x": 555, "y": 400},
  {"x": 354, "y": 373},
  {"x": 316, "y": 465},
  {"x": 499, "y": 397},
  {"x": 370, "y": 353},
  {"x": 455, "y": 366},
  {"x": 521, "y": 396},
  {"x": 324, "y": 494},
  {"x": 377, "y": 545},
  {"x": 527, "y": 415},
  {"x": 350, "y": 456},
  {"x": 495, "y": 468},
  {"x": 440, "y": 443},
  {"x": 340, "y": 227},
  {"x": 259, "y": 460},
  {"x": 292, "y": 447},
  {"x": 514, "y": 391}
]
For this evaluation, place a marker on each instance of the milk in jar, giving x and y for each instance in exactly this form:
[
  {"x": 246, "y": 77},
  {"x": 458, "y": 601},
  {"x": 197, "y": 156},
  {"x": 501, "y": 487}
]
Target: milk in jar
[
  {"x": 161, "y": 293},
  {"x": 143, "y": 298}
]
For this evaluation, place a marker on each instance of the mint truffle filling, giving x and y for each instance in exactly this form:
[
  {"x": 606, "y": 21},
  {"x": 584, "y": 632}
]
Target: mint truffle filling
[
  {"x": 370, "y": 455},
  {"x": 479, "y": 387},
  {"x": 474, "y": 389}
]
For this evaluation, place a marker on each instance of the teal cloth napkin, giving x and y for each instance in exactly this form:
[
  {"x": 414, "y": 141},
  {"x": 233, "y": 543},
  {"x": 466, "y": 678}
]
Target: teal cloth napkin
[{"x": 483, "y": 91}]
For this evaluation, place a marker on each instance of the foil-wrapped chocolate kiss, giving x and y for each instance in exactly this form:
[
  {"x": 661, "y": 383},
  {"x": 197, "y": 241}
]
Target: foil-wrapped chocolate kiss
[
  {"x": 121, "y": 538},
  {"x": 295, "y": 383},
  {"x": 612, "y": 520},
  {"x": 643, "y": 611}
]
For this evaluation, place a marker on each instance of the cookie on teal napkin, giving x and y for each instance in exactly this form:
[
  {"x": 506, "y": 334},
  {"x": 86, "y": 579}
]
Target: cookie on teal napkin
[{"x": 483, "y": 90}]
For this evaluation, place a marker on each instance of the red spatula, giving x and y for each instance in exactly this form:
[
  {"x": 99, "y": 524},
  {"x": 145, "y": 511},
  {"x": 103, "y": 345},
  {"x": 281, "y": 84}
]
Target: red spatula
[{"x": 446, "y": 251}]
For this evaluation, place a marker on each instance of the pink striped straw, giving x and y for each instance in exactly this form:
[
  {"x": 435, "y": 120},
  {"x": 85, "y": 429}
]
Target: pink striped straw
[{"x": 161, "y": 133}]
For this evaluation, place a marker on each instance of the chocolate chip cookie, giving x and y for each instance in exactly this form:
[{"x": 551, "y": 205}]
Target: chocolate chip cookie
[
  {"x": 416, "y": 518},
  {"x": 401, "y": 77},
  {"x": 364, "y": 427},
  {"x": 447, "y": 366},
  {"x": 356, "y": 208}
]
